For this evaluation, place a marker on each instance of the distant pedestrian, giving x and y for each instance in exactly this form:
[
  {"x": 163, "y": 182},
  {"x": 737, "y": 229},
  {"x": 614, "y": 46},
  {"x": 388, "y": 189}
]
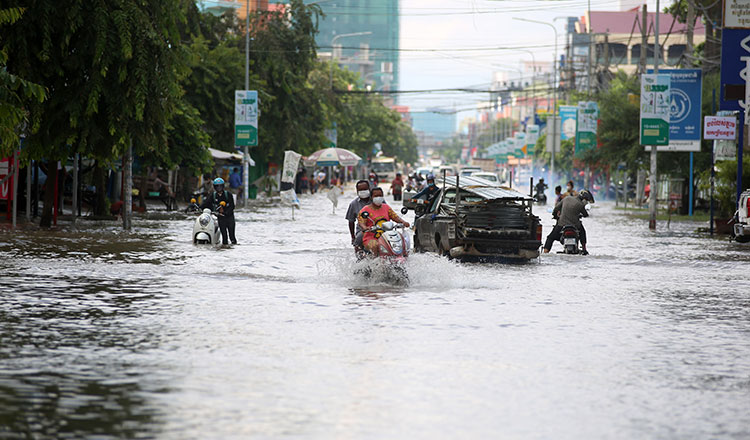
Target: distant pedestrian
[
  {"x": 397, "y": 187},
  {"x": 235, "y": 183}
]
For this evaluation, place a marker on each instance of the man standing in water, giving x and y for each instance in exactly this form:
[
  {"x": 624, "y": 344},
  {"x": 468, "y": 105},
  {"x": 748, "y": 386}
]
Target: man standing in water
[
  {"x": 225, "y": 213},
  {"x": 362, "y": 200}
]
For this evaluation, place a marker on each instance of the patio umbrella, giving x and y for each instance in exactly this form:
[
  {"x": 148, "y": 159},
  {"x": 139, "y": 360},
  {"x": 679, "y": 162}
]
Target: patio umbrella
[{"x": 330, "y": 157}]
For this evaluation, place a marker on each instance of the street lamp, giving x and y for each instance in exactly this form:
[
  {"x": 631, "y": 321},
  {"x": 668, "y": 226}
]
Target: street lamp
[
  {"x": 333, "y": 41},
  {"x": 554, "y": 94}
]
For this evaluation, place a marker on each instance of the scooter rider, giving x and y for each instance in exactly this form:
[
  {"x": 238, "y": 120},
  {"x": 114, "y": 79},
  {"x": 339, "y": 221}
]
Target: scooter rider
[
  {"x": 225, "y": 213},
  {"x": 356, "y": 205},
  {"x": 377, "y": 212},
  {"x": 569, "y": 211},
  {"x": 431, "y": 192}
]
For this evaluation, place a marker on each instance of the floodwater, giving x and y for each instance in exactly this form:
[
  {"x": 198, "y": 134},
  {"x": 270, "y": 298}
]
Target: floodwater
[{"x": 105, "y": 334}]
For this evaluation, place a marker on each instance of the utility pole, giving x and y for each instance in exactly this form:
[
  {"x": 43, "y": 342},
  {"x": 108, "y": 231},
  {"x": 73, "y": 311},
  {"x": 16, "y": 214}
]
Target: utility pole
[
  {"x": 127, "y": 205},
  {"x": 653, "y": 194},
  {"x": 644, "y": 39},
  {"x": 245, "y": 152}
]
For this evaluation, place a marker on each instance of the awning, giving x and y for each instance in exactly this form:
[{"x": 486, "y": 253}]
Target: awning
[{"x": 223, "y": 155}]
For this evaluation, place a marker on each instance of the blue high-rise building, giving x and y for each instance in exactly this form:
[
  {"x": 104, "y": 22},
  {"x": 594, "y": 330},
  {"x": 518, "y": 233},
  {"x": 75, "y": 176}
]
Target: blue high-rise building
[{"x": 373, "y": 49}]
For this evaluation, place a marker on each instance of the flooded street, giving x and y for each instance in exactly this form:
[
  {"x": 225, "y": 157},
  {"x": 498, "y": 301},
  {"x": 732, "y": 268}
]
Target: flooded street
[{"x": 105, "y": 334}]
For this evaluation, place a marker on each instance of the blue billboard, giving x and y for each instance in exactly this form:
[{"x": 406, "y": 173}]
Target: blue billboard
[
  {"x": 685, "y": 126},
  {"x": 731, "y": 65}
]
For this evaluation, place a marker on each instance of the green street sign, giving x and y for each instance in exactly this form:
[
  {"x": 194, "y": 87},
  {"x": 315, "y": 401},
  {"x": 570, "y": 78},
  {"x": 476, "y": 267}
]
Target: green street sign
[
  {"x": 586, "y": 125},
  {"x": 245, "y": 118},
  {"x": 655, "y": 108}
]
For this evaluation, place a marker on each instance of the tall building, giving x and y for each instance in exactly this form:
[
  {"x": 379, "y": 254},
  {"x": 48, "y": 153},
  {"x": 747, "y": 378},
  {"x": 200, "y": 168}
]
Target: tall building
[
  {"x": 218, "y": 7},
  {"x": 373, "y": 50},
  {"x": 435, "y": 122}
]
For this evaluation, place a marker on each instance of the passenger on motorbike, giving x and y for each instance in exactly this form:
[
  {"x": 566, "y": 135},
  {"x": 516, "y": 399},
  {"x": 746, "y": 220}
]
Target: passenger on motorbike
[
  {"x": 356, "y": 205},
  {"x": 570, "y": 210},
  {"x": 430, "y": 192},
  {"x": 377, "y": 212},
  {"x": 225, "y": 213}
]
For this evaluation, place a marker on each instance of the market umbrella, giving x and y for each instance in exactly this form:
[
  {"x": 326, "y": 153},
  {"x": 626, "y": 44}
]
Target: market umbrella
[{"x": 330, "y": 157}]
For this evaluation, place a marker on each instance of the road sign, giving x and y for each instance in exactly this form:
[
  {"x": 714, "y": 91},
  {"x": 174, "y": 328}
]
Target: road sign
[
  {"x": 684, "y": 109},
  {"x": 655, "y": 108},
  {"x": 532, "y": 135},
  {"x": 332, "y": 138},
  {"x": 720, "y": 127},
  {"x": 735, "y": 56},
  {"x": 246, "y": 118},
  {"x": 587, "y": 120},
  {"x": 737, "y": 14}
]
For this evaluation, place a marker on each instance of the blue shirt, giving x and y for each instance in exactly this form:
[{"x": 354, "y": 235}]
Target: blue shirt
[{"x": 235, "y": 181}]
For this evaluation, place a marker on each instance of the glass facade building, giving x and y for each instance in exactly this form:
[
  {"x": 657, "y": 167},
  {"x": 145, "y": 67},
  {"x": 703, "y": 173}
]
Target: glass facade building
[{"x": 374, "y": 55}]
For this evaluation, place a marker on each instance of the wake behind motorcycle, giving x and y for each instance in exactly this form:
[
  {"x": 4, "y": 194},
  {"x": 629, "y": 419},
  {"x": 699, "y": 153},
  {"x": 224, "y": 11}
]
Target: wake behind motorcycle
[{"x": 394, "y": 247}]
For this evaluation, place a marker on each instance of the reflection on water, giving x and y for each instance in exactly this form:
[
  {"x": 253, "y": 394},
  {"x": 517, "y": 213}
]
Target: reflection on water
[{"x": 143, "y": 335}]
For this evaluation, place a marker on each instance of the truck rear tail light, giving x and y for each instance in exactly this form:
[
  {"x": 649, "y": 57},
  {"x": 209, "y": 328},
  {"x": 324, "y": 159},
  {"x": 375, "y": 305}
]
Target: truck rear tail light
[
  {"x": 539, "y": 232},
  {"x": 748, "y": 207}
]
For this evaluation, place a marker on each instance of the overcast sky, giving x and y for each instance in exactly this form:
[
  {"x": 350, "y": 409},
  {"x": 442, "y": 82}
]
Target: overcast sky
[{"x": 435, "y": 36}]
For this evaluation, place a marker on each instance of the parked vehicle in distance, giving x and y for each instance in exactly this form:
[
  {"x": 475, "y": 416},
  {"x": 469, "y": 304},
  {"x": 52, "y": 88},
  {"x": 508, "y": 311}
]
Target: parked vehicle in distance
[
  {"x": 478, "y": 221},
  {"x": 424, "y": 171},
  {"x": 741, "y": 227},
  {"x": 469, "y": 170},
  {"x": 491, "y": 177},
  {"x": 384, "y": 168},
  {"x": 438, "y": 172}
]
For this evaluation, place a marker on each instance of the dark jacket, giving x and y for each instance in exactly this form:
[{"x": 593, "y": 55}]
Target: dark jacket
[
  {"x": 571, "y": 210},
  {"x": 212, "y": 202}
]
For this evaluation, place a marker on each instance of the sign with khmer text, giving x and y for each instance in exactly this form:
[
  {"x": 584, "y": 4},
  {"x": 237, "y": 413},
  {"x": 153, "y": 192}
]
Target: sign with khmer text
[{"x": 720, "y": 127}]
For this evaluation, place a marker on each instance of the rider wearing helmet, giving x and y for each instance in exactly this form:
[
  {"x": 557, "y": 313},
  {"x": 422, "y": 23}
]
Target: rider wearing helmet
[
  {"x": 225, "y": 213},
  {"x": 569, "y": 211},
  {"x": 430, "y": 192}
]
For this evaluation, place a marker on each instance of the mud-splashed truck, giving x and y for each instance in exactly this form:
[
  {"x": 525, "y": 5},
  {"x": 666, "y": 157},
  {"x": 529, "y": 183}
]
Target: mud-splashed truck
[{"x": 474, "y": 219}]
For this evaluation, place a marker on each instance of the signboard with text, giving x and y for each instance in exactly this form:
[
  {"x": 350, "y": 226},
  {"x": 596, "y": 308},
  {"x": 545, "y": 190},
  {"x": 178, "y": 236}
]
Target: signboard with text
[
  {"x": 586, "y": 123},
  {"x": 245, "y": 118},
  {"x": 720, "y": 128},
  {"x": 737, "y": 14},
  {"x": 685, "y": 100},
  {"x": 655, "y": 108},
  {"x": 568, "y": 115}
]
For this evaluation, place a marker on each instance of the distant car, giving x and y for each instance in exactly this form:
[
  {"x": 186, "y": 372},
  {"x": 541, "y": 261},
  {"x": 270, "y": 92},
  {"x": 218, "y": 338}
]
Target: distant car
[
  {"x": 492, "y": 177},
  {"x": 742, "y": 225},
  {"x": 468, "y": 171},
  {"x": 424, "y": 171},
  {"x": 449, "y": 171}
]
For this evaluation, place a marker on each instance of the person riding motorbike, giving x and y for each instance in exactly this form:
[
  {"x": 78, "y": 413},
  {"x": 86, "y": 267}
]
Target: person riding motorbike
[
  {"x": 225, "y": 213},
  {"x": 540, "y": 188},
  {"x": 430, "y": 192},
  {"x": 356, "y": 205},
  {"x": 569, "y": 212},
  {"x": 377, "y": 212}
]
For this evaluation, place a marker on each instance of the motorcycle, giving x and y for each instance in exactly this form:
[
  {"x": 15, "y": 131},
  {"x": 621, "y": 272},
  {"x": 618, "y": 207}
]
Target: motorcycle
[
  {"x": 394, "y": 246},
  {"x": 541, "y": 198},
  {"x": 570, "y": 240},
  {"x": 206, "y": 226}
]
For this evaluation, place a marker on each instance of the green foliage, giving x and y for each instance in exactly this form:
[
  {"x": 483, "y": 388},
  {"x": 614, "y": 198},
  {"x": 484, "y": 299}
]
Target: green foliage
[
  {"x": 112, "y": 69},
  {"x": 726, "y": 184},
  {"x": 563, "y": 158},
  {"x": 15, "y": 93}
]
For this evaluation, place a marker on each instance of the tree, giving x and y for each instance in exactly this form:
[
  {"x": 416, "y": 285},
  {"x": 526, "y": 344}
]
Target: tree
[
  {"x": 15, "y": 92},
  {"x": 112, "y": 69}
]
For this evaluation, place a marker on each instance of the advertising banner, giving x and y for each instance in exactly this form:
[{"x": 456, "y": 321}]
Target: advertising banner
[
  {"x": 685, "y": 101},
  {"x": 735, "y": 57},
  {"x": 568, "y": 115},
  {"x": 655, "y": 108},
  {"x": 586, "y": 122},
  {"x": 245, "y": 118}
]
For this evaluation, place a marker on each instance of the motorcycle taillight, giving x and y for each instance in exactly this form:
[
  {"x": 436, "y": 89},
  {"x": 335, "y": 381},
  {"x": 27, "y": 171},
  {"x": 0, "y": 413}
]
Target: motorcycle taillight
[{"x": 570, "y": 233}]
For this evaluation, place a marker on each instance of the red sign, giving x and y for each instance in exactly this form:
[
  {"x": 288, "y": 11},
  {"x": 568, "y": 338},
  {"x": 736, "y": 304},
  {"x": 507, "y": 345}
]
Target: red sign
[{"x": 6, "y": 188}]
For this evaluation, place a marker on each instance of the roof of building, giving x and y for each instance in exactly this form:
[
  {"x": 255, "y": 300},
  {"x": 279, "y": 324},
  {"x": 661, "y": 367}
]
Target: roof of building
[{"x": 616, "y": 22}]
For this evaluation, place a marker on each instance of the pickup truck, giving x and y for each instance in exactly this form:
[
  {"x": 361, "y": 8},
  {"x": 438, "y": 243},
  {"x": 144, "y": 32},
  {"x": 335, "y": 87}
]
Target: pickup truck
[
  {"x": 479, "y": 221},
  {"x": 742, "y": 225}
]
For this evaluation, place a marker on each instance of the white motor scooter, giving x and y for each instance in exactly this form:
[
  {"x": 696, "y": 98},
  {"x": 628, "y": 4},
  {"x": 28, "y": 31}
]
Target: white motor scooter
[{"x": 206, "y": 227}]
